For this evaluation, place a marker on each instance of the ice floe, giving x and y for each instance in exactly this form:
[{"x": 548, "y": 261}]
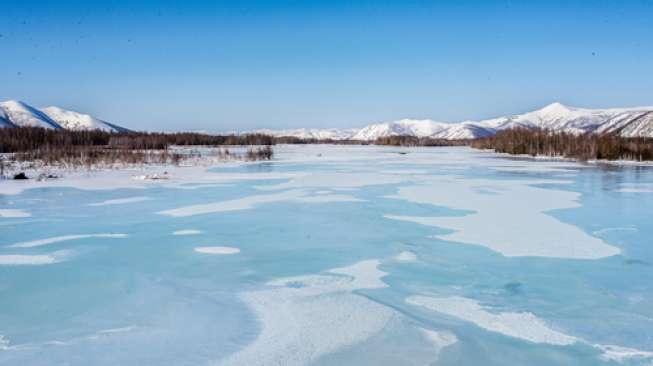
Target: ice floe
[
  {"x": 623, "y": 354},
  {"x": 217, "y": 250},
  {"x": 187, "y": 232},
  {"x": 326, "y": 198},
  {"x": 121, "y": 201},
  {"x": 406, "y": 256},
  {"x": 305, "y": 317},
  {"x": 14, "y": 213},
  {"x": 32, "y": 259},
  {"x": 233, "y": 205},
  {"x": 440, "y": 339},
  {"x": 250, "y": 202},
  {"x": 56, "y": 239},
  {"x": 336, "y": 180},
  {"x": 512, "y": 221},
  {"x": 521, "y": 325}
]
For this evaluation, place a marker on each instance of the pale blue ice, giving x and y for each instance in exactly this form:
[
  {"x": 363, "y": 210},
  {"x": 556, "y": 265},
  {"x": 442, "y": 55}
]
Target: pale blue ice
[{"x": 335, "y": 255}]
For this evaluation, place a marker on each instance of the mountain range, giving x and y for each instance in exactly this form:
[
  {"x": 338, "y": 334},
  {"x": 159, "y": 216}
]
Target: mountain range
[
  {"x": 626, "y": 122},
  {"x": 18, "y": 114}
]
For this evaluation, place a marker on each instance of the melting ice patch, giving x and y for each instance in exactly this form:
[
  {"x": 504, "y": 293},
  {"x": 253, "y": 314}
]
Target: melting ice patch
[
  {"x": 233, "y": 205},
  {"x": 524, "y": 326},
  {"x": 4, "y": 344},
  {"x": 635, "y": 188},
  {"x": 534, "y": 167},
  {"x": 56, "y": 239},
  {"x": 187, "y": 232},
  {"x": 441, "y": 339},
  {"x": 217, "y": 250},
  {"x": 13, "y": 213},
  {"x": 305, "y": 317},
  {"x": 325, "y": 198},
  {"x": 36, "y": 259},
  {"x": 121, "y": 201},
  {"x": 336, "y": 180},
  {"x": 406, "y": 256},
  {"x": 511, "y": 221},
  {"x": 250, "y": 202},
  {"x": 623, "y": 354}
]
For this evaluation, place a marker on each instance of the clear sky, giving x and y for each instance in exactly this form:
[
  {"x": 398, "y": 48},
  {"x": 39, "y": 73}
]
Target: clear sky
[{"x": 237, "y": 65}]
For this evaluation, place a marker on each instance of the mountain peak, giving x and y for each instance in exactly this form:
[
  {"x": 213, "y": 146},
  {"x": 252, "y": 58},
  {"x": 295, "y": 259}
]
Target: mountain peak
[
  {"x": 556, "y": 107},
  {"x": 15, "y": 113},
  {"x": 14, "y": 104}
]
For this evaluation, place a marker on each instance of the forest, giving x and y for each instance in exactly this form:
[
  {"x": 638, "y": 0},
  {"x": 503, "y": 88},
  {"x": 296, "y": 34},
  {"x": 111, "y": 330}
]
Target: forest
[
  {"x": 582, "y": 147},
  {"x": 89, "y": 148},
  {"x": 30, "y": 139}
]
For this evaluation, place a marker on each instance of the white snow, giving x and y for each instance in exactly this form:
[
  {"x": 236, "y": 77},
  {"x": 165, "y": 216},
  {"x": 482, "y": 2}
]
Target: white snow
[
  {"x": 217, "y": 250},
  {"x": 76, "y": 121},
  {"x": 233, "y": 205},
  {"x": 623, "y": 354},
  {"x": 326, "y": 198},
  {"x": 57, "y": 239},
  {"x": 20, "y": 259},
  {"x": 187, "y": 232},
  {"x": 110, "y": 179},
  {"x": 337, "y": 180},
  {"x": 406, "y": 256},
  {"x": 20, "y": 114},
  {"x": 13, "y": 213},
  {"x": 121, "y": 201},
  {"x": 629, "y": 122},
  {"x": 250, "y": 202},
  {"x": 32, "y": 259},
  {"x": 308, "y": 133},
  {"x": 513, "y": 220},
  {"x": 635, "y": 188},
  {"x": 305, "y": 317},
  {"x": 522, "y": 325},
  {"x": 441, "y": 339}
]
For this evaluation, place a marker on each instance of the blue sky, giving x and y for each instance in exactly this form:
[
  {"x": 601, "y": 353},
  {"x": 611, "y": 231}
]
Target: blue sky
[{"x": 219, "y": 66}]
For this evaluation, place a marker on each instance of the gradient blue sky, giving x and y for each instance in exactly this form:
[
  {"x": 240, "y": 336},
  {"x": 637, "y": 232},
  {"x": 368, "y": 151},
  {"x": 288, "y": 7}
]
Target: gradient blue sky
[{"x": 219, "y": 66}]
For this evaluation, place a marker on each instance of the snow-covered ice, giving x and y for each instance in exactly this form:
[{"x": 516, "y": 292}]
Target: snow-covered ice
[
  {"x": 521, "y": 325},
  {"x": 217, "y": 250}
]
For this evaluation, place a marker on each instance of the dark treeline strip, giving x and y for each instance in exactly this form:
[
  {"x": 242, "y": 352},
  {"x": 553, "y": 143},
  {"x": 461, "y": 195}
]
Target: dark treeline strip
[
  {"x": 385, "y": 141},
  {"x": 29, "y": 139},
  {"x": 292, "y": 140},
  {"x": 93, "y": 155},
  {"x": 557, "y": 144},
  {"x": 89, "y": 156},
  {"x": 417, "y": 141}
]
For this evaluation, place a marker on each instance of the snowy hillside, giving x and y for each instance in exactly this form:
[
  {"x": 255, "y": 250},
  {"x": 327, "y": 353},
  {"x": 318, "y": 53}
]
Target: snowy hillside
[
  {"x": 311, "y": 133},
  {"x": 627, "y": 122},
  {"x": 71, "y": 120},
  {"x": 18, "y": 114}
]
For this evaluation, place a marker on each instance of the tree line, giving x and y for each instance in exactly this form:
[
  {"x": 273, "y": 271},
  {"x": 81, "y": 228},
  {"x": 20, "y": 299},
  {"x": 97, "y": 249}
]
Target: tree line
[
  {"x": 32, "y": 138},
  {"x": 417, "y": 141},
  {"x": 584, "y": 147}
]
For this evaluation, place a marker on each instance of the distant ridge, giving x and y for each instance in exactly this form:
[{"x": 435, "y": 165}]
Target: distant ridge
[
  {"x": 626, "y": 122},
  {"x": 14, "y": 114}
]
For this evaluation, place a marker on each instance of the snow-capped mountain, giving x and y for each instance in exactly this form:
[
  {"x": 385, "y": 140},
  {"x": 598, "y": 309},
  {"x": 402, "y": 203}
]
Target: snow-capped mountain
[
  {"x": 76, "y": 121},
  {"x": 18, "y": 114},
  {"x": 422, "y": 128},
  {"x": 311, "y": 133},
  {"x": 627, "y": 122}
]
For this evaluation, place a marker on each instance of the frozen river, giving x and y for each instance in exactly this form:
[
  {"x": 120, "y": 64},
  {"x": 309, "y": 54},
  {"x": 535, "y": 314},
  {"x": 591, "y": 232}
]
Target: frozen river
[{"x": 332, "y": 255}]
